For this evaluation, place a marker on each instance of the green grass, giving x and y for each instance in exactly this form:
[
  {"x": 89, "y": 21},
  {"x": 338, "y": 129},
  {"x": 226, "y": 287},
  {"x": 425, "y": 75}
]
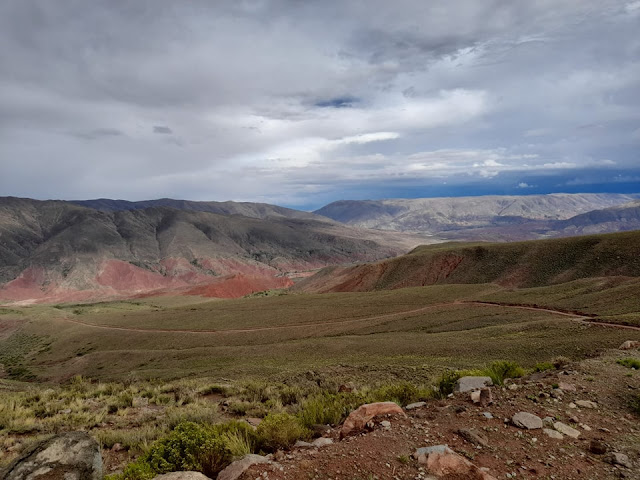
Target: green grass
[
  {"x": 633, "y": 363},
  {"x": 406, "y": 333}
]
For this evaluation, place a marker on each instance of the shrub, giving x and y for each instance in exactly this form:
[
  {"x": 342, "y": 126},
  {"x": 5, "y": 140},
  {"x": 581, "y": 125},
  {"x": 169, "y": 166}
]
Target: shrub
[
  {"x": 543, "y": 366},
  {"x": 560, "y": 362},
  {"x": 256, "y": 392},
  {"x": 240, "y": 437},
  {"x": 134, "y": 471},
  {"x": 189, "y": 447},
  {"x": 280, "y": 431},
  {"x": 290, "y": 395},
  {"x": 403, "y": 394},
  {"x": 323, "y": 409},
  {"x": 214, "y": 390},
  {"x": 499, "y": 371},
  {"x": 630, "y": 363},
  {"x": 444, "y": 385}
]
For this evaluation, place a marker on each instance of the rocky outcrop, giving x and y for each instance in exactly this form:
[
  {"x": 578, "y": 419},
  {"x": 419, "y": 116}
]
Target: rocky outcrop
[
  {"x": 69, "y": 456},
  {"x": 358, "y": 419}
]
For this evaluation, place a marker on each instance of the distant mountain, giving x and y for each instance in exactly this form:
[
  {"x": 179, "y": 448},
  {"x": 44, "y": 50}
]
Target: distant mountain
[
  {"x": 438, "y": 215},
  {"x": 518, "y": 264},
  {"x": 56, "y": 250},
  {"x": 620, "y": 218},
  {"x": 247, "y": 209}
]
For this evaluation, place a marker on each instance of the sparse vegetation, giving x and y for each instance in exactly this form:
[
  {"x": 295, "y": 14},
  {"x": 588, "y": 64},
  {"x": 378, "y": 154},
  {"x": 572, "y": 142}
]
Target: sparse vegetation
[
  {"x": 501, "y": 370},
  {"x": 543, "y": 366},
  {"x": 633, "y": 363},
  {"x": 139, "y": 389},
  {"x": 280, "y": 431}
]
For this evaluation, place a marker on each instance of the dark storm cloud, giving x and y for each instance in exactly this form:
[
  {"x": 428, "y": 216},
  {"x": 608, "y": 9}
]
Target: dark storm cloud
[{"x": 303, "y": 102}]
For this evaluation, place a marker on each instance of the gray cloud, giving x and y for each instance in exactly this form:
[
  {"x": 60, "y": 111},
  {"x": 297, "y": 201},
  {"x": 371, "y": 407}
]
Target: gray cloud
[
  {"x": 162, "y": 130},
  {"x": 288, "y": 101}
]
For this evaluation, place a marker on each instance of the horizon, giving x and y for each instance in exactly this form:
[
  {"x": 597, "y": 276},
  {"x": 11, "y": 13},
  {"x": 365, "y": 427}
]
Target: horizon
[
  {"x": 311, "y": 210},
  {"x": 302, "y": 104}
]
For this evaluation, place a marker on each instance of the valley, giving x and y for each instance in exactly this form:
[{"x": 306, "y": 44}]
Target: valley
[{"x": 134, "y": 371}]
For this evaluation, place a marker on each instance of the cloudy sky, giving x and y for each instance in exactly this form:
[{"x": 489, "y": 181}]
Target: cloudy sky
[{"x": 301, "y": 103}]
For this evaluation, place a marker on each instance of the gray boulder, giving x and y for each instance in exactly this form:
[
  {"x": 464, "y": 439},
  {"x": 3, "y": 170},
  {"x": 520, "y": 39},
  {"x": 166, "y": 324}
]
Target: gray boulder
[
  {"x": 432, "y": 449},
  {"x": 322, "y": 442},
  {"x": 69, "y": 456},
  {"x": 615, "y": 458},
  {"x": 468, "y": 384},
  {"x": 526, "y": 420},
  {"x": 237, "y": 468}
]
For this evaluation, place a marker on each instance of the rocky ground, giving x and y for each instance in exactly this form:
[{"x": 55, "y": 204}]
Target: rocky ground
[
  {"x": 590, "y": 398},
  {"x": 575, "y": 422}
]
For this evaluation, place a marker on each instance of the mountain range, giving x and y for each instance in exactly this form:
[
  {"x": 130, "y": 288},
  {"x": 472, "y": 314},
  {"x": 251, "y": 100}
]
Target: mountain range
[
  {"x": 58, "y": 251},
  {"x": 493, "y": 217}
]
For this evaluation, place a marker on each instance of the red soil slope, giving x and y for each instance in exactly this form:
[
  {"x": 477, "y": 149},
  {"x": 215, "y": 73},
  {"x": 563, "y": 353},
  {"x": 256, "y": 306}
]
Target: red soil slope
[{"x": 114, "y": 279}]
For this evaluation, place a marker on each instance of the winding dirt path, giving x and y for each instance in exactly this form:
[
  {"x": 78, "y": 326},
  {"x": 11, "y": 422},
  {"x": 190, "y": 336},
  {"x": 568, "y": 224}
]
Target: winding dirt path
[{"x": 581, "y": 318}]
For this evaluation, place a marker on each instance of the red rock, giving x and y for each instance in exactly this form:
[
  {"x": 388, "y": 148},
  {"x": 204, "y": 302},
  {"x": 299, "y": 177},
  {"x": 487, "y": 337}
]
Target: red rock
[
  {"x": 358, "y": 419},
  {"x": 450, "y": 463}
]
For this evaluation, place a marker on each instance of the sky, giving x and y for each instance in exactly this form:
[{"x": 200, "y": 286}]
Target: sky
[{"x": 300, "y": 103}]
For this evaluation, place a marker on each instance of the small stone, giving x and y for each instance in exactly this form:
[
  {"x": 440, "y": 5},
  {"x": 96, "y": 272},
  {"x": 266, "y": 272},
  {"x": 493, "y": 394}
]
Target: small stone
[
  {"x": 566, "y": 430},
  {"x": 512, "y": 386},
  {"x": 347, "y": 388},
  {"x": 552, "y": 434},
  {"x": 526, "y": 420},
  {"x": 586, "y": 428},
  {"x": 567, "y": 387},
  {"x": 473, "y": 437},
  {"x": 413, "y": 406},
  {"x": 597, "y": 447},
  {"x": 547, "y": 421},
  {"x": 572, "y": 405},
  {"x": 486, "y": 398},
  {"x": 117, "y": 447},
  {"x": 557, "y": 393},
  {"x": 254, "y": 422},
  {"x": 487, "y": 415},
  {"x": 65, "y": 411},
  {"x": 586, "y": 404},
  {"x": 322, "y": 442},
  {"x": 615, "y": 458},
  {"x": 302, "y": 444},
  {"x": 432, "y": 449},
  {"x": 386, "y": 424},
  {"x": 467, "y": 384}
]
